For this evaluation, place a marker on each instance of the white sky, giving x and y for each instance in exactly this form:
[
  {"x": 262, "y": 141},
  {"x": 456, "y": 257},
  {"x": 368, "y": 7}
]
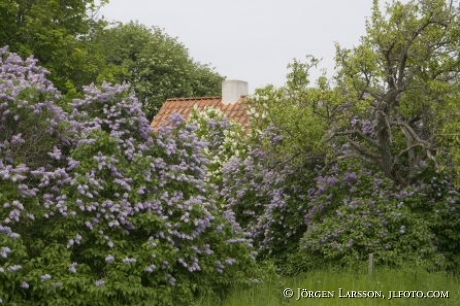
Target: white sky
[{"x": 252, "y": 40}]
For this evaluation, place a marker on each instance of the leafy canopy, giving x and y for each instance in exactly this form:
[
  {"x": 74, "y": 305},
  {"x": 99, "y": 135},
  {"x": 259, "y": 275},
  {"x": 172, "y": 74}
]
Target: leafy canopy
[{"x": 156, "y": 65}]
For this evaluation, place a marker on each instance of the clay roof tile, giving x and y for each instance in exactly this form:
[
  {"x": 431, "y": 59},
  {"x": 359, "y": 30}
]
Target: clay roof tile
[{"x": 183, "y": 106}]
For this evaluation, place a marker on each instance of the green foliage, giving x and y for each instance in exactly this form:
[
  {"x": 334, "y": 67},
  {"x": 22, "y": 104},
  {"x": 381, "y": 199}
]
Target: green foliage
[
  {"x": 79, "y": 49},
  {"x": 388, "y": 121},
  {"x": 297, "y": 112},
  {"x": 225, "y": 139},
  {"x": 405, "y": 72},
  {"x": 156, "y": 65},
  {"x": 270, "y": 292},
  {"x": 56, "y": 33},
  {"x": 97, "y": 210},
  {"x": 353, "y": 214},
  {"x": 395, "y": 117},
  {"x": 106, "y": 212},
  {"x": 449, "y": 138},
  {"x": 440, "y": 206}
]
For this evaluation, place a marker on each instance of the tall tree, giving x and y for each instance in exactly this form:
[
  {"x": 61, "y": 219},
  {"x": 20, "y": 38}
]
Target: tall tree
[
  {"x": 156, "y": 65},
  {"x": 400, "y": 83},
  {"x": 56, "y": 33}
]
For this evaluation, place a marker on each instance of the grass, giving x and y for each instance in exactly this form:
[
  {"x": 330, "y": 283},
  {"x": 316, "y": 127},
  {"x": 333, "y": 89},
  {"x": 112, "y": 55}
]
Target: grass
[{"x": 270, "y": 292}]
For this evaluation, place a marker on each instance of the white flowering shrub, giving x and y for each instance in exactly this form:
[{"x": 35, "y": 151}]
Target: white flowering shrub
[{"x": 225, "y": 139}]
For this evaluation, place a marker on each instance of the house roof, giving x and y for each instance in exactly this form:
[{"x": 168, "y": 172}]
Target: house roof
[{"x": 183, "y": 106}]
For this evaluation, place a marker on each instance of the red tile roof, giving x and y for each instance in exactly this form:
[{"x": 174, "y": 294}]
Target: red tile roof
[{"x": 183, "y": 106}]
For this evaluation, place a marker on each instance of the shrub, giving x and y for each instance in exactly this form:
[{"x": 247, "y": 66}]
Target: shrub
[
  {"x": 267, "y": 196},
  {"x": 108, "y": 213},
  {"x": 354, "y": 212}
]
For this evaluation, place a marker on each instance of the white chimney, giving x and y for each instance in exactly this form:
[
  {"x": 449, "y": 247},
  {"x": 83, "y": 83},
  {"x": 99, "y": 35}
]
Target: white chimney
[{"x": 232, "y": 90}]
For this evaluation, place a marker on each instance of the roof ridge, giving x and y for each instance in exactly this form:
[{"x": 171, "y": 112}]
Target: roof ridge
[{"x": 196, "y": 98}]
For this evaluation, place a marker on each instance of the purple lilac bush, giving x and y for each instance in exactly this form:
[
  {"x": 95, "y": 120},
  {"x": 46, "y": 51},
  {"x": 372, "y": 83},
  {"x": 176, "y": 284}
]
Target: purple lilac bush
[
  {"x": 354, "y": 212},
  {"x": 306, "y": 214},
  {"x": 266, "y": 196},
  {"x": 98, "y": 210}
]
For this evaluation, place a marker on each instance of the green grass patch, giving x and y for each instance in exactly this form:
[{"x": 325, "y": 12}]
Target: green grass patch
[{"x": 382, "y": 284}]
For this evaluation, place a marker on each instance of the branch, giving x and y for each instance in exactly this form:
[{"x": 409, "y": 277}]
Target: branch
[
  {"x": 457, "y": 134},
  {"x": 354, "y": 155},
  {"x": 406, "y": 151},
  {"x": 403, "y": 57},
  {"x": 357, "y": 132},
  {"x": 414, "y": 136},
  {"x": 364, "y": 151}
]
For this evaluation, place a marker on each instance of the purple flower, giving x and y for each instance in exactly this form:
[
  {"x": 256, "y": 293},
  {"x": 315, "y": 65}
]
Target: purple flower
[
  {"x": 15, "y": 214},
  {"x": 172, "y": 280},
  {"x": 17, "y": 139},
  {"x": 402, "y": 230},
  {"x": 25, "y": 285},
  {"x": 14, "y": 235},
  {"x": 78, "y": 239},
  {"x": 56, "y": 154},
  {"x": 176, "y": 119},
  {"x": 350, "y": 177},
  {"x": 14, "y": 268},
  {"x": 110, "y": 259},
  {"x": 73, "y": 268},
  {"x": 368, "y": 128},
  {"x": 5, "y": 251},
  {"x": 45, "y": 277},
  {"x": 70, "y": 243},
  {"x": 128, "y": 260},
  {"x": 150, "y": 268},
  {"x": 332, "y": 181},
  {"x": 99, "y": 282},
  {"x": 230, "y": 261}
]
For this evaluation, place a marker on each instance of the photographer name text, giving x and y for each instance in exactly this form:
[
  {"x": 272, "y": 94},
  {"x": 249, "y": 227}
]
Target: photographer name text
[{"x": 302, "y": 293}]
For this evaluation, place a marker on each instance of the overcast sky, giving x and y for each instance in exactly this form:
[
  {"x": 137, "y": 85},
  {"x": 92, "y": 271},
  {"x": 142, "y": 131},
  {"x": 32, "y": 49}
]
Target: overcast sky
[{"x": 252, "y": 40}]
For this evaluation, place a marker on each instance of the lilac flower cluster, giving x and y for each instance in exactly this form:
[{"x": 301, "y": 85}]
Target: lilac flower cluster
[
  {"x": 96, "y": 193},
  {"x": 356, "y": 212},
  {"x": 264, "y": 196},
  {"x": 365, "y": 126}
]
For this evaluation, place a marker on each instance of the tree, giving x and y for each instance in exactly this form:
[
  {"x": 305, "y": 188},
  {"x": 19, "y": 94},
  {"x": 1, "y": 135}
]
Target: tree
[
  {"x": 55, "y": 32},
  {"x": 401, "y": 83},
  {"x": 375, "y": 135},
  {"x": 79, "y": 49},
  {"x": 397, "y": 101},
  {"x": 156, "y": 65}
]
